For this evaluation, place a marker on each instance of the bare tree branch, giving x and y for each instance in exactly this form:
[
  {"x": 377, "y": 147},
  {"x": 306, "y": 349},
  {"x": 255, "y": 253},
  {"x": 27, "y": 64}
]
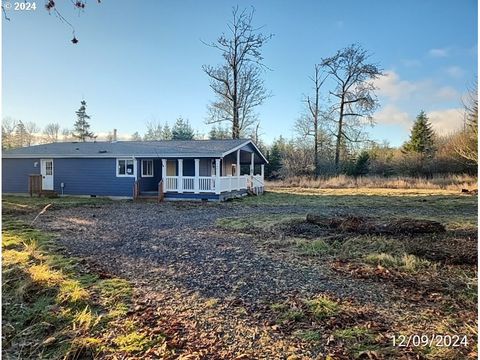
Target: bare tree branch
[{"x": 237, "y": 83}]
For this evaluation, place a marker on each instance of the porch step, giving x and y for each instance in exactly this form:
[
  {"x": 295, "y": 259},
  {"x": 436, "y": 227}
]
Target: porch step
[
  {"x": 147, "y": 198},
  {"x": 257, "y": 190},
  {"x": 48, "y": 193}
]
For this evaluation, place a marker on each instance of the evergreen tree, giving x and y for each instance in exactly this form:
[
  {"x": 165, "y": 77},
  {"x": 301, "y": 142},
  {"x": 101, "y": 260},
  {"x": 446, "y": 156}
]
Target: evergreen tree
[
  {"x": 154, "y": 132},
  {"x": 360, "y": 166},
  {"x": 182, "y": 130},
  {"x": 167, "y": 132},
  {"x": 81, "y": 128},
  {"x": 274, "y": 157},
  {"x": 219, "y": 133},
  {"x": 422, "y": 137},
  {"x": 135, "y": 136},
  {"x": 21, "y": 135}
]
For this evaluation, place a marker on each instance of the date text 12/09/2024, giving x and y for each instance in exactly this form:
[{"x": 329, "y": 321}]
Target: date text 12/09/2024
[
  {"x": 20, "y": 6},
  {"x": 430, "y": 340}
]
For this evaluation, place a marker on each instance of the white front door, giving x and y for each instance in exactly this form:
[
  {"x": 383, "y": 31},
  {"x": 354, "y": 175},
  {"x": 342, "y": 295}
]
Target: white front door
[{"x": 47, "y": 174}]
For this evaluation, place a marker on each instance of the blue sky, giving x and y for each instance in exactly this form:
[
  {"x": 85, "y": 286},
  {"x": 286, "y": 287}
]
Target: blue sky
[{"x": 141, "y": 61}]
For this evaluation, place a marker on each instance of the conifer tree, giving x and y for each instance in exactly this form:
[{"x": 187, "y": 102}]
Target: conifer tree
[
  {"x": 219, "y": 133},
  {"x": 182, "y": 130},
  {"x": 166, "y": 132},
  {"x": 81, "y": 128},
  {"x": 422, "y": 137}
]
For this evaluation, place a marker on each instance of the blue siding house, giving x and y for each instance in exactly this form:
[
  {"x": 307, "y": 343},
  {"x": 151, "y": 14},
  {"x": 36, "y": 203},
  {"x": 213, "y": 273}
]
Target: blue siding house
[{"x": 190, "y": 169}]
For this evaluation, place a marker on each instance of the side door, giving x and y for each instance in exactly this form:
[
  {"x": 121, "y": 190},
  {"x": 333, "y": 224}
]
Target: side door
[{"x": 47, "y": 174}]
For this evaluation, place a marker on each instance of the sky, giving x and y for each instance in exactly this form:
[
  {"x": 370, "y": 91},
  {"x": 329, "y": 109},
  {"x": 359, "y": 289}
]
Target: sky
[{"x": 141, "y": 61}]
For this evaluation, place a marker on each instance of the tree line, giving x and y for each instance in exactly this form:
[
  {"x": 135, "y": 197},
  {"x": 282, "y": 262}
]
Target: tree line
[{"x": 424, "y": 154}]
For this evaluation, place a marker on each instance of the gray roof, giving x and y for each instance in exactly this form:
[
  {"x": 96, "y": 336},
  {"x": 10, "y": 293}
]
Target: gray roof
[{"x": 166, "y": 149}]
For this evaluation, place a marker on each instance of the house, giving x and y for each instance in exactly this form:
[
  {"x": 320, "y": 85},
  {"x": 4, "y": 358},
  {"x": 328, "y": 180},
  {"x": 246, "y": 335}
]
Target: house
[{"x": 173, "y": 169}]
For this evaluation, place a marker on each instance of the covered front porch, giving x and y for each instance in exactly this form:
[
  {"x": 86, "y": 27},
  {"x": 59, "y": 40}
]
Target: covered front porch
[{"x": 235, "y": 174}]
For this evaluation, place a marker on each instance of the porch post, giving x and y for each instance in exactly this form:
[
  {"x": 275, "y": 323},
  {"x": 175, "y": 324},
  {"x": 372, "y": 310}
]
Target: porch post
[
  {"x": 217, "y": 176},
  {"x": 252, "y": 164},
  {"x": 196, "y": 181},
  {"x": 180, "y": 176},
  {"x": 262, "y": 173},
  {"x": 238, "y": 170},
  {"x": 164, "y": 174}
]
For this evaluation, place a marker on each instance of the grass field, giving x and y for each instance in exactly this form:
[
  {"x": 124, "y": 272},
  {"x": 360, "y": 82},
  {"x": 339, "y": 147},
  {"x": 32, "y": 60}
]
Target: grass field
[
  {"x": 435, "y": 275},
  {"x": 55, "y": 305},
  {"x": 52, "y": 306}
]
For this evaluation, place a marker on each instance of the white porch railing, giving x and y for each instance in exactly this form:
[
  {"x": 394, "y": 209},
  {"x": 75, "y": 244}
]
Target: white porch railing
[
  {"x": 230, "y": 183},
  {"x": 207, "y": 184},
  {"x": 171, "y": 183},
  {"x": 188, "y": 183}
]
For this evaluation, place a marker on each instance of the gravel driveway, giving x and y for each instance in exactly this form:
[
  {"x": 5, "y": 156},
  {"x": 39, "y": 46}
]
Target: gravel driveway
[
  {"x": 178, "y": 259},
  {"x": 180, "y": 243}
]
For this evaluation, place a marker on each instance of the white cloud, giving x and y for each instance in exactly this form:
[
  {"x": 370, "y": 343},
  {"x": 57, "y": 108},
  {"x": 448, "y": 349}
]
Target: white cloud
[
  {"x": 446, "y": 93},
  {"x": 443, "y": 121},
  {"x": 440, "y": 52},
  {"x": 403, "y": 100},
  {"x": 446, "y": 121},
  {"x": 455, "y": 72},
  {"x": 425, "y": 91},
  {"x": 391, "y": 86},
  {"x": 392, "y": 115}
]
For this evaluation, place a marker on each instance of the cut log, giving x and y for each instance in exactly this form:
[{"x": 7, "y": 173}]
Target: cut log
[{"x": 368, "y": 226}]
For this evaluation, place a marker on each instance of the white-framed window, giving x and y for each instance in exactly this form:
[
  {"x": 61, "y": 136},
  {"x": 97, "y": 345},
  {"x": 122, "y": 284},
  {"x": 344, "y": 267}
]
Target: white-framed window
[
  {"x": 147, "y": 168},
  {"x": 125, "y": 167}
]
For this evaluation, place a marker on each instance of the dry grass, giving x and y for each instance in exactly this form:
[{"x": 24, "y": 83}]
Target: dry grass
[{"x": 445, "y": 182}]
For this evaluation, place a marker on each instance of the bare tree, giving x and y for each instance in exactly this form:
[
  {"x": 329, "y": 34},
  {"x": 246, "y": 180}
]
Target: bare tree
[
  {"x": 9, "y": 126},
  {"x": 309, "y": 124},
  {"x": 25, "y": 134},
  {"x": 67, "y": 135},
  {"x": 32, "y": 133},
  {"x": 51, "y": 132},
  {"x": 354, "y": 93},
  {"x": 136, "y": 136},
  {"x": 237, "y": 83},
  {"x": 465, "y": 143},
  {"x": 52, "y": 8}
]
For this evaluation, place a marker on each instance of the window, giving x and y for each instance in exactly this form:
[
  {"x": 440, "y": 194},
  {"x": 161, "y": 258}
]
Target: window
[
  {"x": 147, "y": 168},
  {"x": 49, "y": 168},
  {"x": 125, "y": 167}
]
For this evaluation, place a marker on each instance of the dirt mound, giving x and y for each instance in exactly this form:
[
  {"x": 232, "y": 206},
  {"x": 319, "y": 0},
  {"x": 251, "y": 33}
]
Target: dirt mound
[
  {"x": 457, "y": 248},
  {"x": 301, "y": 228},
  {"x": 364, "y": 225}
]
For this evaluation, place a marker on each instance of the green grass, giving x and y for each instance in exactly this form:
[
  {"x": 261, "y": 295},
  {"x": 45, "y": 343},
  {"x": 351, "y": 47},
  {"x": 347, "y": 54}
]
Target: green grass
[
  {"x": 356, "y": 339},
  {"x": 263, "y": 222},
  {"x": 457, "y": 211},
  {"x": 314, "y": 247},
  {"x": 308, "y": 335},
  {"x": 21, "y": 205},
  {"x": 322, "y": 307},
  {"x": 52, "y": 309},
  {"x": 406, "y": 262}
]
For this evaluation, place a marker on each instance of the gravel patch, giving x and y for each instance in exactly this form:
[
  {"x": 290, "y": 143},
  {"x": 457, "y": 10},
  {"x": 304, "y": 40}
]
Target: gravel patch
[{"x": 180, "y": 243}]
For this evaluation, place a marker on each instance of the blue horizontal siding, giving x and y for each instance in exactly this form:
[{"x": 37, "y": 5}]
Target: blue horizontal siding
[
  {"x": 15, "y": 174},
  {"x": 90, "y": 177},
  {"x": 150, "y": 183}
]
